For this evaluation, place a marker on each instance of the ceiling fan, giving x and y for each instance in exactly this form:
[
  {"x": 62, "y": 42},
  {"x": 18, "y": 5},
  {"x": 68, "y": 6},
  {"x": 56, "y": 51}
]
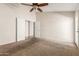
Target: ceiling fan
[{"x": 36, "y": 6}]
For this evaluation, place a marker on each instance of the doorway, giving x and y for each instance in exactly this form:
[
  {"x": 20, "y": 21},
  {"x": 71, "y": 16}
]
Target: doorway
[{"x": 29, "y": 29}]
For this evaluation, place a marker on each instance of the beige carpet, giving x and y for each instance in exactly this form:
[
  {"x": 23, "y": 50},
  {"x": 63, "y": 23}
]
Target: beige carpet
[{"x": 44, "y": 48}]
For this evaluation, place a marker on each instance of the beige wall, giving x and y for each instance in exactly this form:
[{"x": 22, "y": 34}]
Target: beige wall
[
  {"x": 8, "y": 16},
  {"x": 56, "y": 26},
  {"x": 7, "y": 25}
]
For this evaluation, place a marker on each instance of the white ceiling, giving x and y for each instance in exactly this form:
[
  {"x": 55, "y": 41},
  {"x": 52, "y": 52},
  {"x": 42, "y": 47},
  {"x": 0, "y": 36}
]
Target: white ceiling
[
  {"x": 52, "y": 7},
  {"x": 60, "y": 7}
]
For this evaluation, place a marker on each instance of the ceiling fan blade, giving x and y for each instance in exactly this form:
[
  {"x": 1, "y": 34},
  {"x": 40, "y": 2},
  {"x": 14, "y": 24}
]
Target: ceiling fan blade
[
  {"x": 43, "y": 4},
  {"x": 31, "y": 9},
  {"x": 34, "y": 3},
  {"x": 26, "y": 4},
  {"x": 39, "y": 9}
]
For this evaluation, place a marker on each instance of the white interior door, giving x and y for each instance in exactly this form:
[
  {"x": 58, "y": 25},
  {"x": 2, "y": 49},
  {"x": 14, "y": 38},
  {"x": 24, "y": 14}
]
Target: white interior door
[
  {"x": 37, "y": 29},
  {"x": 20, "y": 29},
  {"x": 26, "y": 29},
  {"x": 31, "y": 29}
]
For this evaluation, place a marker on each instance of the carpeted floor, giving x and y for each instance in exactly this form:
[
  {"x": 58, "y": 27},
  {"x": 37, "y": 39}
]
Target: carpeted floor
[{"x": 45, "y": 48}]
